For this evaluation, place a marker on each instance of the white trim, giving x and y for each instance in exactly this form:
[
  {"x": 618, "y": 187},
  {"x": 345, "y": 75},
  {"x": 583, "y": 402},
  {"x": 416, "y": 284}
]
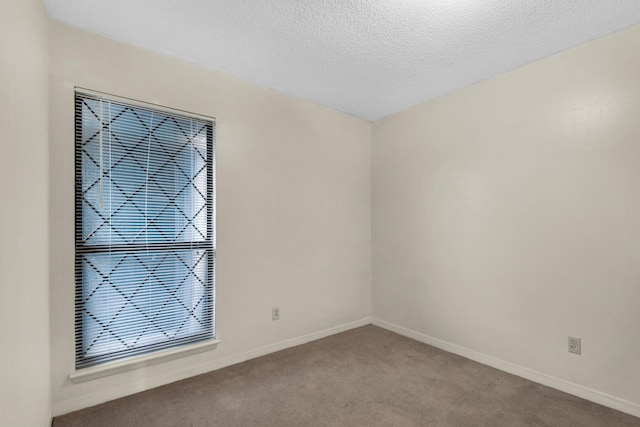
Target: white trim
[
  {"x": 143, "y": 104},
  {"x": 592, "y": 395},
  {"x": 129, "y": 364},
  {"x": 50, "y": 418},
  {"x": 146, "y": 383}
]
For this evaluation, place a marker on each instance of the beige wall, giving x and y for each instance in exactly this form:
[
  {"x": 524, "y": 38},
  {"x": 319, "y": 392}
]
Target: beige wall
[
  {"x": 506, "y": 216},
  {"x": 293, "y": 193},
  {"x": 24, "y": 239}
]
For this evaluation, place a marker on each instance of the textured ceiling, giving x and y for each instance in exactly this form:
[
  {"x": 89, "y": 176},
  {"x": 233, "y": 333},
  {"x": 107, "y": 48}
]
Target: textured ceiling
[{"x": 366, "y": 58}]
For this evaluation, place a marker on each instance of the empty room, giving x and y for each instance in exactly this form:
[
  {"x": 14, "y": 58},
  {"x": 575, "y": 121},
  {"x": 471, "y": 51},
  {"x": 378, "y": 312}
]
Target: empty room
[{"x": 320, "y": 213}]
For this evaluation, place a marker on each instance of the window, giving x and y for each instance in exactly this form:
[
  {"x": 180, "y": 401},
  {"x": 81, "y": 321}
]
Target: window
[{"x": 145, "y": 229}]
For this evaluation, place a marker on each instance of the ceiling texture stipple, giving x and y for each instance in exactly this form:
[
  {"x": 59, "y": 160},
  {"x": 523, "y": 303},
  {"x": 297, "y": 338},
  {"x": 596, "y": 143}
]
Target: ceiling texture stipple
[{"x": 366, "y": 58}]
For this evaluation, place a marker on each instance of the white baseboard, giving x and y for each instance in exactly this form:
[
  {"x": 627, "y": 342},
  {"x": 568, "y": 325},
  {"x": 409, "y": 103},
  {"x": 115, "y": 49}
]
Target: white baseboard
[
  {"x": 85, "y": 401},
  {"x": 592, "y": 395}
]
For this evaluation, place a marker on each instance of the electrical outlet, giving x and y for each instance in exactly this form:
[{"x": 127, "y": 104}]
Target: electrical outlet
[
  {"x": 275, "y": 313},
  {"x": 575, "y": 345}
]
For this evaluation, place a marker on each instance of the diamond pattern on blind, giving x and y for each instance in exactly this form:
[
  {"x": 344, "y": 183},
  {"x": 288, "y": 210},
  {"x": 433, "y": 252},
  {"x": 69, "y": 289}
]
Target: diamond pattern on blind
[{"x": 145, "y": 230}]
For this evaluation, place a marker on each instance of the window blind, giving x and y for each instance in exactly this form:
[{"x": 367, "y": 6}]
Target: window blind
[{"x": 145, "y": 229}]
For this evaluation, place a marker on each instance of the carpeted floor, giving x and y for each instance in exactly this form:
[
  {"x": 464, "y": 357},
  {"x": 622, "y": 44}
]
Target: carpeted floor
[{"x": 364, "y": 377}]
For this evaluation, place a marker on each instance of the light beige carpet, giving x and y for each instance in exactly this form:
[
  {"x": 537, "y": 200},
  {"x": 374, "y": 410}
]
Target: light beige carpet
[{"x": 364, "y": 377}]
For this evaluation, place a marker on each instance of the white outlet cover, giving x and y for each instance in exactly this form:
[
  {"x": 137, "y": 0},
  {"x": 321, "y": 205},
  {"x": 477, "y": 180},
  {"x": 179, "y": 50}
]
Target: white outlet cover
[{"x": 575, "y": 345}]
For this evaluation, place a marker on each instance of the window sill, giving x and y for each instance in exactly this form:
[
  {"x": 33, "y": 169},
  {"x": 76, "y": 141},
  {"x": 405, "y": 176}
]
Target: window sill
[{"x": 113, "y": 368}]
